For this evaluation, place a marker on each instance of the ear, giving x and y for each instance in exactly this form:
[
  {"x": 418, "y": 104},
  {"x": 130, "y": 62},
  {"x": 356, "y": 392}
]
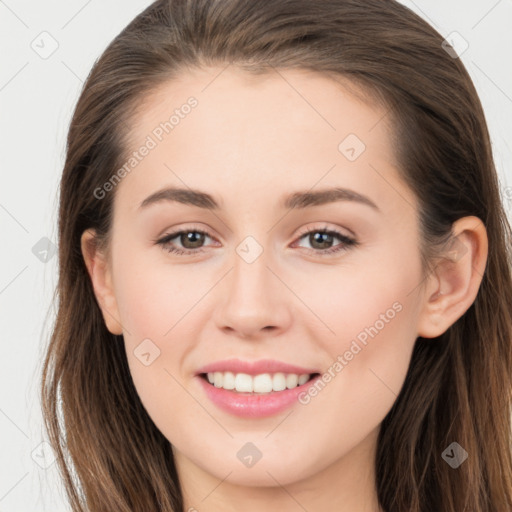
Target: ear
[
  {"x": 100, "y": 273},
  {"x": 453, "y": 285}
]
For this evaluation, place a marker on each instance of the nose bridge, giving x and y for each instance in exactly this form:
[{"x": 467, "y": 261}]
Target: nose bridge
[
  {"x": 252, "y": 300},
  {"x": 251, "y": 277}
]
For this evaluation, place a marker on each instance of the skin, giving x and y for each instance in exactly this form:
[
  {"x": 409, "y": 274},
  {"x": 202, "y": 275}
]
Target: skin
[{"x": 249, "y": 142}]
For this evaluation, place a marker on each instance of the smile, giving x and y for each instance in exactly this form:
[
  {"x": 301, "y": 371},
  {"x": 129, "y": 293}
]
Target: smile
[{"x": 256, "y": 384}]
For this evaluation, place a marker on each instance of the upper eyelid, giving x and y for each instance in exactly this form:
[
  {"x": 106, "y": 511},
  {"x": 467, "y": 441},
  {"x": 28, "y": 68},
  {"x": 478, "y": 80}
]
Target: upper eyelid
[{"x": 326, "y": 228}]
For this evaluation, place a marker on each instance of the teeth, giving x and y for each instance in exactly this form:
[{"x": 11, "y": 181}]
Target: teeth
[
  {"x": 303, "y": 379},
  {"x": 262, "y": 383},
  {"x": 228, "y": 381},
  {"x": 291, "y": 380},
  {"x": 243, "y": 383},
  {"x": 279, "y": 381}
]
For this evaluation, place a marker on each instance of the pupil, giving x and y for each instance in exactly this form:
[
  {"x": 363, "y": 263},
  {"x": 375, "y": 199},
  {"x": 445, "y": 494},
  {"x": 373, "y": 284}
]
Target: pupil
[{"x": 322, "y": 238}]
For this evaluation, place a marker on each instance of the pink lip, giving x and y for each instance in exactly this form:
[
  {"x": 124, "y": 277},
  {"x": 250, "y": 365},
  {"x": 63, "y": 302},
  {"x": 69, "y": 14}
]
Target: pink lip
[
  {"x": 254, "y": 368},
  {"x": 248, "y": 405},
  {"x": 253, "y": 405}
]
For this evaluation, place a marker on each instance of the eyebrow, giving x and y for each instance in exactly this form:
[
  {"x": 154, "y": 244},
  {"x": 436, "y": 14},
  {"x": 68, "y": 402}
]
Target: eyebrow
[{"x": 297, "y": 200}]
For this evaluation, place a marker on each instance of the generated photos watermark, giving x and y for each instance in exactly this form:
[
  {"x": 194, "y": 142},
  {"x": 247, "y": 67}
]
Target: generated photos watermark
[
  {"x": 355, "y": 348},
  {"x": 152, "y": 140}
]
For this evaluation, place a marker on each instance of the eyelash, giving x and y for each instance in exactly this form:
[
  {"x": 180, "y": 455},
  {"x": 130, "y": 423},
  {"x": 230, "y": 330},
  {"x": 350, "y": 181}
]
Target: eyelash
[{"x": 346, "y": 244}]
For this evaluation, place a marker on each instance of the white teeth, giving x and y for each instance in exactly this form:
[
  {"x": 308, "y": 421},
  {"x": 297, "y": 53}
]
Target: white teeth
[
  {"x": 228, "y": 380},
  {"x": 243, "y": 383},
  {"x": 279, "y": 381},
  {"x": 292, "y": 380},
  {"x": 303, "y": 379},
  {"x": 262, "y": 383}
]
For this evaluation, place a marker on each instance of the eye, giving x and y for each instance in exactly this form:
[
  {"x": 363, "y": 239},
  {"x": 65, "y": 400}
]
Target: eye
[
  {"x": 322, "y": 239},
  {"x": 192, "y": 241}
]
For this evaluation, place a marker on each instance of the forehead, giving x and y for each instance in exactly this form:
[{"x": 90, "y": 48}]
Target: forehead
[
  {"x": 280, "y": 101},
  {"x": 230, "y": 131}
]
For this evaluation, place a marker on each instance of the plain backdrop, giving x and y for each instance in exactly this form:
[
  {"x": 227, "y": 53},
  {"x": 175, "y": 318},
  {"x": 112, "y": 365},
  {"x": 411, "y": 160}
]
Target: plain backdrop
[{"x": 48, "y": 49}]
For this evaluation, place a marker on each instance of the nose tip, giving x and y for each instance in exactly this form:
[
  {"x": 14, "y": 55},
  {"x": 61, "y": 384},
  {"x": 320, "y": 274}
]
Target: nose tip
[{"x": 250, "y": 303}]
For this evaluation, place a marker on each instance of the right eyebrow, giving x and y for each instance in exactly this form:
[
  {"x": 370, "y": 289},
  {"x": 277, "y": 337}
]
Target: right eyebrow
[{"x": 181, "y": 195}]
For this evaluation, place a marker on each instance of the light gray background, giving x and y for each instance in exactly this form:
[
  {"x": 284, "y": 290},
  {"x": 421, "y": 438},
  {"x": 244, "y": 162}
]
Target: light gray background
[{"x": 37, "y": 96}]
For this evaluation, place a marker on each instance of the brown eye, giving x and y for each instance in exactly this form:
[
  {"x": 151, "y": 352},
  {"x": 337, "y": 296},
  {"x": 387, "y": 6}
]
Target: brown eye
[
  {"x": 321, "y": 241},
  {"x": 191, "y": 239}
]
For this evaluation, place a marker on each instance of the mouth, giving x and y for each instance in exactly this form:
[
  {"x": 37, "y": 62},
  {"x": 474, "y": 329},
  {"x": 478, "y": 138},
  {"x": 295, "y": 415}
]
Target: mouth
[{"x": 260, "y": 384}]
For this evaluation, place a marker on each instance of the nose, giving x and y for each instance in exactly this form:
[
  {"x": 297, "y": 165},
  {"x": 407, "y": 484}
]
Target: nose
[{"x": 252, "y": 301}]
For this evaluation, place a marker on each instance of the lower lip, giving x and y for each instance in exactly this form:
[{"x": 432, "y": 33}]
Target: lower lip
[{"x": 255, "y": 405}]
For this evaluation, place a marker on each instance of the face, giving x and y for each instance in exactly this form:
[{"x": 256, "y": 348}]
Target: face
[{"x": 264, "y": 268}]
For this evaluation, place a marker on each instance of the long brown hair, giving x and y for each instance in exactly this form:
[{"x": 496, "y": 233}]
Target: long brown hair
[{"x": 458, "y": 387}]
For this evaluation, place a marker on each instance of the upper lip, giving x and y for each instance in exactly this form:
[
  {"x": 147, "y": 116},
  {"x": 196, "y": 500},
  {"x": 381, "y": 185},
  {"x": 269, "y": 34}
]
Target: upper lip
[{"x": 254, "y": 367}]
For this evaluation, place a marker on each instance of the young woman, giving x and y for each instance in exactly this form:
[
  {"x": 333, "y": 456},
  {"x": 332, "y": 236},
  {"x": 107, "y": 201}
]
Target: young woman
[{"x": 285, "y": 269}]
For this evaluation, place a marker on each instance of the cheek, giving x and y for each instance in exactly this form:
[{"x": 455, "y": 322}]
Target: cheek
[
  {"x": 373, "y": 318},
  {"x": 148, "y": 308},
  {"x": 368, "y": 324},
  {"x": 163, "y": 313},
  {"x": 363, "y": 301},
  {"x": 152, "y": 294}
]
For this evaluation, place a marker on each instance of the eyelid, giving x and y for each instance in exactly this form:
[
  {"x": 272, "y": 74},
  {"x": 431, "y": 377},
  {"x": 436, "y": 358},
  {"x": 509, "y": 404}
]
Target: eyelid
[{"x": 325, "y": 227}]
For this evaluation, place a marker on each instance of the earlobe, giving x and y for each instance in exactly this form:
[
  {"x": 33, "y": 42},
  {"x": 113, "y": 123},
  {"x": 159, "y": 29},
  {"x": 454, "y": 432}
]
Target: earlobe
[
  {"x": 101, "y": 279},
  {"x": 453, "y": 285}
]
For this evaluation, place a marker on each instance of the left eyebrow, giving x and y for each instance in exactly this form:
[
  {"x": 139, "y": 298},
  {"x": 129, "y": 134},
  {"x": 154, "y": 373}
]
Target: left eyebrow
[{"x": 305, "y": 199}]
